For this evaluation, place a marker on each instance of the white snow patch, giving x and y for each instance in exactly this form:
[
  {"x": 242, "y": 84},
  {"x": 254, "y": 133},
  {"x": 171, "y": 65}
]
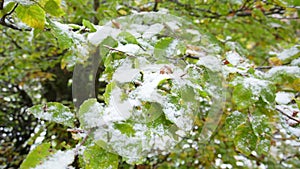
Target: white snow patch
[
  {"x": 287, "y": 53},
  {"x": 152, "y": 30},
  {"x": 59, "y": 160},
  {"x": 295, "y": 70},
  {"x": 129, "y": 48},
  {"x": 234, "y": 58},
  {"x": 174, "y": 25},
  {"x": 296, "y": 62},
  {"x": 284, "y": 97},
  {"x": 102, "y": 33},
  {"x": 210, "y": 62},
  {"x": 256, "y": 85}
]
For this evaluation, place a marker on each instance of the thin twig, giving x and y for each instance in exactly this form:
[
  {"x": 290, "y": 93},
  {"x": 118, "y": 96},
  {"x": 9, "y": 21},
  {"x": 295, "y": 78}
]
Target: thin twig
[
  {"x": 155, "y": 6},
  {"x": 290, "y": 117},
  {"x": 2, "y": 20},
  {"x": 83, "y": 141},
  {"x": 1, "y": 4},
  {"x": 263, "y": 67},
  {"x": 116, "y": 50}
]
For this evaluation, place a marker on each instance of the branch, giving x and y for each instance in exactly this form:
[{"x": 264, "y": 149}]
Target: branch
[
  {"x": 116, "y": 50},
  {"x": 1, "y": 4},
  {"x": 263, "y": 67},
  {"x": 96, "y": 6},
  {"x": 188, "y": 7},
  {"x": 2, "y": 20},
  {"x": 288, "y": 116},
  {"x": 155, "y": 6}
]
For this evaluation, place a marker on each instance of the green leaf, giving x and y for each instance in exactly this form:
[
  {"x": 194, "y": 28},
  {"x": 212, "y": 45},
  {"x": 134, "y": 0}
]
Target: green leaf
[
  {"x": 90, "y": 113},
  {"x": 53, "y": 7},
  {"x": 235, "y": 119},
  {"x": 36, "y": 156},
  {"x": 245, "y": 140},
  {"x": 268, "y": 94},
  {"x": 109, "y": 41},
  {"x": 7, "y": 9},
  {"x": 89, "y": 25},
  {"x": 126, "y": 37},
  {"x": 108, "y": 90},
  {"x": 55, "y": 112},
  {"x": 125, "y": 128},
  {"x": 242, "y": 97},
  {"x": 263, "y": 146},
  {"x": 95, "y": 157},
  {"x": 64, "y": 40},
  {"x": 33, "y": 15},
  {"x": 160, "y": 48}
]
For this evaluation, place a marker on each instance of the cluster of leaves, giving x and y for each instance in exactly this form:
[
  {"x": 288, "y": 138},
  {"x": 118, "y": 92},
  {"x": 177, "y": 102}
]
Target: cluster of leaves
[{"x": 258, "y": 128}]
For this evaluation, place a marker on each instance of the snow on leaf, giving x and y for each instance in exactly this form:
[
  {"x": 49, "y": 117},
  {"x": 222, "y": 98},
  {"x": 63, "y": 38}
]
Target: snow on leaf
[
  {"x": 152, "y": 30},
  {"x": 59, "y": 160},
  {"x": 36, "y": 156},
  {"x": 54, "y": 112},
  {"x": 96, "y": 157},
  {"x": 234, "y": 58},
  {"x": 296, "y": 62},
  {"x": 289, "y": 54},
  {"x": 235, "y": 119},
  {"x": 280, "y": 70},
  {"x": 287, "y": 122},
  {"x": 248, "y": 90},
  {"x": 90, "y": 114},
  {"x": 284, "y": 97},
  {"x": 245, "y": 139}
]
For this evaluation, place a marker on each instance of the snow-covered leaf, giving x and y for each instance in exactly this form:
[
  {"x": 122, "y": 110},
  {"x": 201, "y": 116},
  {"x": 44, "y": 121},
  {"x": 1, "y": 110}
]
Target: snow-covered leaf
[
  {"x": 54, "y": 112},
  {"x": 235, "y": 119},
  {"x": 58, "y": 160},
  {"x": 96, "y": 157},
  {"x": 36, "y": 156},
  {"x": 245, "y": 139},
  {"x": 90, "y": 113}
]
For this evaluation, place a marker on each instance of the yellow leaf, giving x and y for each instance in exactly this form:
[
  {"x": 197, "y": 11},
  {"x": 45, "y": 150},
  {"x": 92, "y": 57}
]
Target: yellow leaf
[
  {"x": 33, "y": 15},
  {"x": 275, "y": 61}
]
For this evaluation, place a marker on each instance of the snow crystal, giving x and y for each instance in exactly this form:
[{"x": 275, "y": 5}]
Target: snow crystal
[
  {"x": 59, "y": 160},
  {"x": 284, "y": 97}
]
